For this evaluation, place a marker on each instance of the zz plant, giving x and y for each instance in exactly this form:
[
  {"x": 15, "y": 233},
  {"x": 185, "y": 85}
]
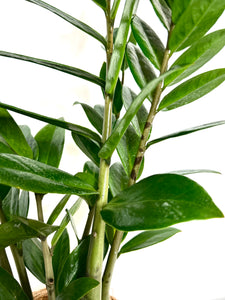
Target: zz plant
[{"x": 119, "y": 200}]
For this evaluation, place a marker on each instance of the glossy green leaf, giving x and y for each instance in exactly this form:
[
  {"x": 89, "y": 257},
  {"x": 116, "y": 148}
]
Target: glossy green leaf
[
  {"x": 78, "y": 288},
  {"x": 112, "y": 142},
  {"x": 33, "y": 258},
  {"x": 57, "y": 66},
  {"x": 88, "y": 147},
  {"x": 58, "y": 209},
  {"x": 4, "y": 147},
  {"x": 159, "y": 201},
  {"x": 140, "y": 118},
  {"x": 13, "y": 135},
  {"x": 119, "y": 47},
  {"x": 148, "y": 238},
  {"x": 117, "y": 99},
  {"x": 127, "y": 148},
  {"x": 91, "y": 168},
  {"x": 82, "y": 26},
  {"x": 10, "y": 288},
  {"x": 184, "y": 132},
  {"x": 74, "y": 266},
  {"x": 178, "y": 8},
  {"x": 20, "y": 229},
  {"x": 139, "y": 65},
  {"x": 170, "y": 3},
  {"x": 93, "y": 116},
  {"x": 50, "y": 140},
  {"x": 101, "y": 3},
  {"x": 194, "y": 21},
  {"x": 118, "y": 179},
  {"x": 148, "y": 41},
  {"x": 63, "y": 124},
  {"x": 195, "y": 171},
  {"x": 60, "y": 253},
  {"x": 199, "y": 54},
  {"x": 163, "y": 12},
  {"x": 192, "y": 89},
  {"x": 16, "y": 204},
  {"x": 93, "y": 181},
  {"x": 30, "y": 140},
  {"x": 30, "y": 175},
  {"x": 65, "y": 222}
]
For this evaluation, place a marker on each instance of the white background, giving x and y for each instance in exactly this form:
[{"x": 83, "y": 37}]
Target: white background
[{"x": 190, "y": 265}]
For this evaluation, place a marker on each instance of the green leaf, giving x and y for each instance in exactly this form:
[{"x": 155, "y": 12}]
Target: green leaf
[
  {"x": 65, "y": 222},
  {"x": 184, "y": 132},
  {"x": 127, "y": 149},
  {"x": 148, "y": 41},
  {"x": 199, "y": 54},
  {"x": 30, "y": 140},
  {"x": 20, "y": 229},
  {"x": 192, "y": 89},
  {"x": 188, "y": 172},
  {"x": 57, "y": 66},
  {"x": 169, "y": 3},
  {"x": 74, "y": 266},
  {"x": 93, "y": 116},
  {"x": 119, "y": 47},
  {"x": 33, "y": 258},
  {"x": 63, "y": 124},
  {"x": 112, "y": 142},
  {"x": 16, "y": 204},
  {"x": 50, "y": 141},
  {"x": 88, "y": 147},
  {"x": 93, "y": 181},
  {"x": 163, "y": 12},
  {"x": 82, "y": 26},
  {"x": 30, "y": 175},
  {"x": 139, "y": 65},
  {"x": 148, "y": 238},
  {"x": 159, "y": 201},
  {"x": 13, "y": 135},
  {"x": 117, "y": 98},
  {"x": 194, "y": 21},
  {"x": 4, "y": 147},
  {"x": 101, "y": 3},
  {"x": 118, "y": 179},
  {"x": 78, "y": 288},
  {"x": 10, "y": 288},
  {"x": 58, "y": 209},
  {"x": 60, "y": 253},
  {"x": 140, "y": 118}
]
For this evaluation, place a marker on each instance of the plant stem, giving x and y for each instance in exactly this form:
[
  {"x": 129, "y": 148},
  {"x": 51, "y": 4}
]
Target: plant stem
[
  {"x": 96, "y": 248},
  {"x": 49, "y": 274},
  {"x": 4, "y": 262},
  {"x": 133, "y": 176},
  {"x": 88, "y": 223},
  {"x": 19, "y": 262}
]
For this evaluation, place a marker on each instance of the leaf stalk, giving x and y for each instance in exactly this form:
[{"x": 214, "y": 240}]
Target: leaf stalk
[{"x": 49, "y": 274}]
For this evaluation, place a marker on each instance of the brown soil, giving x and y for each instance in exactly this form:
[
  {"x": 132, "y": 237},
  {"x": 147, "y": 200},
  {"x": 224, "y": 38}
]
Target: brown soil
[{"x": 42, "y": 295}]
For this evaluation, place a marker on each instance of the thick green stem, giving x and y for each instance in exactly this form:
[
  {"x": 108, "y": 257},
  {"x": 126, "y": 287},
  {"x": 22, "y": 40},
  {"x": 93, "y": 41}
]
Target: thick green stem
[
  {"x": 49, "y": 274},
  {"x": 19, "y": 262},
  {"x": 133, "y": 176},
  {"x": 96, "y": 248}
]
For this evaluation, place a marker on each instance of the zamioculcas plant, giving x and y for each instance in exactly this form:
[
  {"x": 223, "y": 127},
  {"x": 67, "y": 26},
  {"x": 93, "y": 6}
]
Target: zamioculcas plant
[{"x": 119, "y": 199}]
